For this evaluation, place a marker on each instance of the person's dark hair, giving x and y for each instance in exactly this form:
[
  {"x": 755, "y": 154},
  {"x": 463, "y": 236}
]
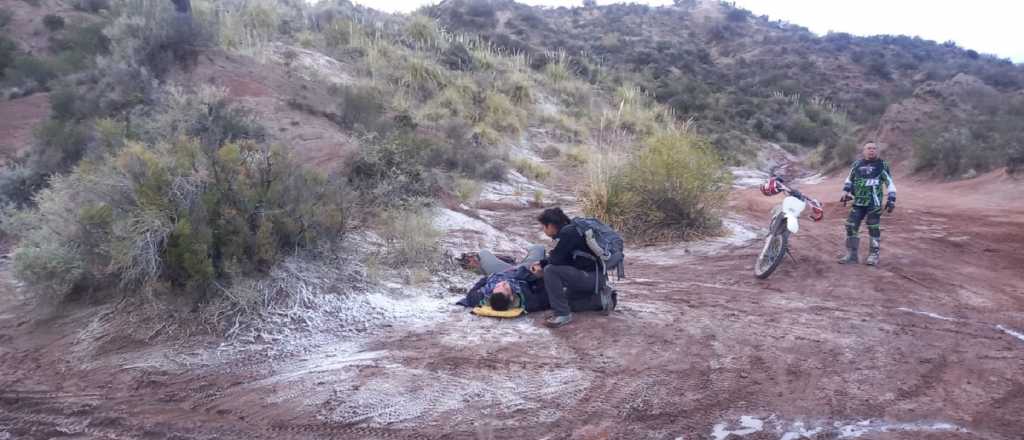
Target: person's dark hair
[
  {"x": 500, "y": 302},
  {"x": 553, "y": 216}
]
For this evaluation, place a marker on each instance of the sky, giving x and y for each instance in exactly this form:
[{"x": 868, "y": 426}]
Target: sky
[{"x": 987, "y": 26}]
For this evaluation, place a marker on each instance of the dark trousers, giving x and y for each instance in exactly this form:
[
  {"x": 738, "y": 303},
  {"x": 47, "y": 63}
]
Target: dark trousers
[
  {"x": 873, "y": 214},
  {"x": 571, "y": 290}
]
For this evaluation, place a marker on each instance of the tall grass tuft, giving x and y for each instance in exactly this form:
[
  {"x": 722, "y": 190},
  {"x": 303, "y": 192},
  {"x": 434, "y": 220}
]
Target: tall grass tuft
[{"x": 671, "y": 189}]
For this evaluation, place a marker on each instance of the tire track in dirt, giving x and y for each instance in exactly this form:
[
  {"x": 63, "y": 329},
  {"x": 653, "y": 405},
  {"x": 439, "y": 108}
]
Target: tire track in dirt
[
  {"x": 696, "y": 343},
  {"x": 341, "y": 432}
]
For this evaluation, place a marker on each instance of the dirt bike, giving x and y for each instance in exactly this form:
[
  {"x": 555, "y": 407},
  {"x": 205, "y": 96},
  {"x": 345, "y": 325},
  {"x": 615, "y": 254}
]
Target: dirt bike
[{"x": 785, "y": 221}]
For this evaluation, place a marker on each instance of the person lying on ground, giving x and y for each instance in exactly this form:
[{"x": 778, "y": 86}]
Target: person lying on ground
[
  {"x": 571, "y": 277},
  {"x": 515, "y": 287}
]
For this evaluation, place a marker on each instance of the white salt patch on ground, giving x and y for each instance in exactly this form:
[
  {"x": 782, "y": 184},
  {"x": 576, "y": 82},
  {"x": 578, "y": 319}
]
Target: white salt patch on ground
[
  {"x": 747, "y": 177},
  {"x": 648, "y": 311},
  {"x": 868, "y": 427},
  {"x": 636, "y": 281},
  {"x": 928, "y": 314},
  {"x": 310, "y": 65},
  {"x": 517, "y": 190},
  {"x": 328, "y": 361},
  {"x": 795, "y": 430},
  {"x": 1015, "y": 334},
  {"x": 463, "y": 233},
  {"x": 524, "y": 153},
  {"x": 798, "y": 431},
  {"x": 738, "y": 234},
  {"x": 447, "y": 220},
  {"x": 467, "y": 330},
  {"x": 402, "y": 396},
  {"x": 748, "y": 425},
  {"x": 812, "y": 180},
  {"x": 546, "y": 105}
]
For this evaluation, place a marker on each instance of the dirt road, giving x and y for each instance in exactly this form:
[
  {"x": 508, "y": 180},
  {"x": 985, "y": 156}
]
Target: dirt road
[{"x": 928, "y": 346}]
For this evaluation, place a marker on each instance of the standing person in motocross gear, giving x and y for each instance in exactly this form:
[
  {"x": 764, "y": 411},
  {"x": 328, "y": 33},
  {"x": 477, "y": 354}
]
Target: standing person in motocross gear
[{"x": 864, "y": 187}]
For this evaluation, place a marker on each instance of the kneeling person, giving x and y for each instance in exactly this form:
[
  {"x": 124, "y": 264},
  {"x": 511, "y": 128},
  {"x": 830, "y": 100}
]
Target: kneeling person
[{"x": 571, "y": 276}]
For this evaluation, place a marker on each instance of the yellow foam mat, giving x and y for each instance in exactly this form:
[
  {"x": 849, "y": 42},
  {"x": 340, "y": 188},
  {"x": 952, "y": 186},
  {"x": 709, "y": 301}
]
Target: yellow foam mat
[{"x": 486, "y": 310}]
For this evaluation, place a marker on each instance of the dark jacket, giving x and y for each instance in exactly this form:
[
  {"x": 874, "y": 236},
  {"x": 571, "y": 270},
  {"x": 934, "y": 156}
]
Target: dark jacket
[{"x": 567, "y": 252}]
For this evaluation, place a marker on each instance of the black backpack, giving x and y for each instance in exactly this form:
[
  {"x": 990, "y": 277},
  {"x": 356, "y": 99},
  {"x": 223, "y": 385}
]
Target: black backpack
[{"x": 604, "y": 242}]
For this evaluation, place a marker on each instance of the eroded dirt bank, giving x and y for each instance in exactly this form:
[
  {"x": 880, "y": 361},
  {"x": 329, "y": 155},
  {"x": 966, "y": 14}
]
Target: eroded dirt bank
[{"x": 928, "y": 346}]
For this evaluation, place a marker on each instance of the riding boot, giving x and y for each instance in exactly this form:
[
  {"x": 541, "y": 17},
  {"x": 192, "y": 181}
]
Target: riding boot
[
  {"x": 876, "y": 245},
  {"x": 852, "y": 243}
]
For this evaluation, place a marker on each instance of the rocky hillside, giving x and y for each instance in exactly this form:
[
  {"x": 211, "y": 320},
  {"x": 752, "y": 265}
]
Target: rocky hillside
[
  {"x": 747, "y": 79},
  {"x": 190, "y": 153}
]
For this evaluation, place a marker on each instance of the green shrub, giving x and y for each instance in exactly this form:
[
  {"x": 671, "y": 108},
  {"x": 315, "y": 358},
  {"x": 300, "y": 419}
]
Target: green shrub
[
  {"x": 1015, "y": 161},
  {"x": 176, "y": 213},
  {"x": 972, "y": 144},
  {"x": 565, "y": 128},
  {"x": 880, "y": 70},
  {"x": 340, "y": 33},
  {"x": 550, "y": 152},
  {"x": 423, "y": 31},
  {"x": 207, "y": 115},
  {"x": 53, "y": 268},
  {"x": 672, "y": 188},
  {"x": 5, "y": 18},
  {"x": 358, "y": 107},
  {"x": 18, "y": 183},
  {"x": 57, "y": 147},
  {"x": 502, "y": 115},
  {"x": 391, "y": 170},
  {"x": 557, "y": 73},
  {"x": 422, "y": 76},
  {"x": 458, "y": 58},
  {"x": 578, "y": 156},
  {"x": 410, "y": 238},
  {"x": 27, "y": 70},
  {"x": 53, "y": 22},
  {"x": 150, "y": 33},
  {"x": 518, "y": 90},
  {"x": 81, "y": 41},
  {"x": 8, "y": 54},
  {"x": 456, "y": 101},
  {"x": 532, "y": 170},
  {"x": 247, "y": 25},
  {"x": 954, "y": 153},
  {"x": 462, "y": 150},
  {"x": 467, "y": 190}
]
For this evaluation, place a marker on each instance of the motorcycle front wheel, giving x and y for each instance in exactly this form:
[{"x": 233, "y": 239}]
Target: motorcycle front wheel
[{"x": 774, "y": 251}]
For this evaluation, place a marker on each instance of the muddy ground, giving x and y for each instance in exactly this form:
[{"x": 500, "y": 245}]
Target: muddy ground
[{"x": 928, "y": 346}]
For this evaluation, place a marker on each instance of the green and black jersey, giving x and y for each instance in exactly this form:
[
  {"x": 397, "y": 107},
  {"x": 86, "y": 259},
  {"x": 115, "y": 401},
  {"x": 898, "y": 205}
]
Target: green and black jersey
[{"x": 865, "y": 182}]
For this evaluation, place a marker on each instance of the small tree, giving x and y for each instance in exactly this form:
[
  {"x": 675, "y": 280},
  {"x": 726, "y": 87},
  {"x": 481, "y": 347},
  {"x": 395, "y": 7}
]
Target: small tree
[{"x": 53, "y": 22}]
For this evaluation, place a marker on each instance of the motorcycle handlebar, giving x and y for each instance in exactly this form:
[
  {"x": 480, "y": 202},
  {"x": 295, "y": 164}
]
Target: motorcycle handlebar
[{"x": 795, "y": 193}]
